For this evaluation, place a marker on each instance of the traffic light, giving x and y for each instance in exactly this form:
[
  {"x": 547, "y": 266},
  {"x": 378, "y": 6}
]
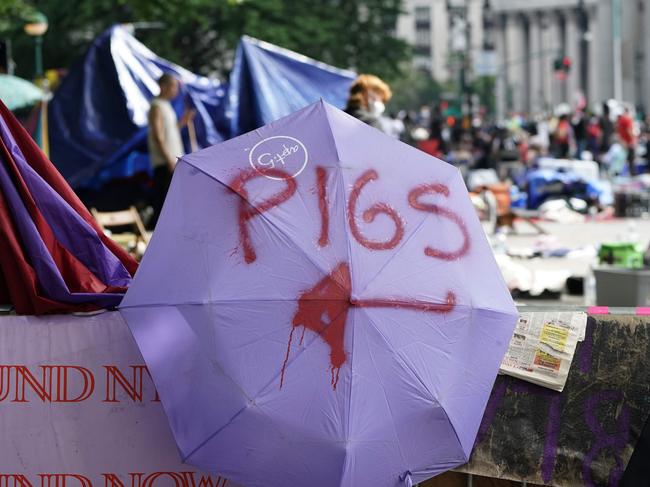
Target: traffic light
[
  {"x": 561, "y": 67},
  {"x": 562, "y": 64}
]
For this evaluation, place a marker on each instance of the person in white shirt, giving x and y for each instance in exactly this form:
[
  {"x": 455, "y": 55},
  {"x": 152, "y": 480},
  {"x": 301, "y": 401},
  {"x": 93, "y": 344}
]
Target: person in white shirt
[{"x": 164, "y": 138}]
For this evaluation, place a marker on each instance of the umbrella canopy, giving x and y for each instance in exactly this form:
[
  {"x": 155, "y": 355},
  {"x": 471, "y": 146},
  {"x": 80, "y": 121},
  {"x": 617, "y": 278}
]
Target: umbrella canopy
[
  {"x": 18, "y": 93},
  {"x": 319, "y": 306}
]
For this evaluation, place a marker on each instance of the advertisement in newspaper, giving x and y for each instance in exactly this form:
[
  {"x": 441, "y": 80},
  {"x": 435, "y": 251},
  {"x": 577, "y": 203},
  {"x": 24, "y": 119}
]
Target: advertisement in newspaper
[{"x": 542, "y": 347}]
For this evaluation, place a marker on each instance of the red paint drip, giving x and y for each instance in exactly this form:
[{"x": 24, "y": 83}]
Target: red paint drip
[
  {"x": 370, "y": 214},
  {"x": 248, "y": 211},
  {"x": 321, "y": 181},
  {"x": 434, "y": 188},
  {"x": 323, "y": 309}
]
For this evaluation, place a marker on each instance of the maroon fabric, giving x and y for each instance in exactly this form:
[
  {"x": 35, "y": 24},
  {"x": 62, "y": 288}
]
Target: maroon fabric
[
  {"x": 18, "y": 277},
  {"x": 18, "y": 280},
  {"x": 42, "y": 165},
  {"x": 77, "y": 276}
]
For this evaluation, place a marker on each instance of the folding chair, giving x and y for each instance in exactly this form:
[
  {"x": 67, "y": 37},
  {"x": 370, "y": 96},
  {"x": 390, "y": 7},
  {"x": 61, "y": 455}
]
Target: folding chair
[{"x": 123, "y": 218}]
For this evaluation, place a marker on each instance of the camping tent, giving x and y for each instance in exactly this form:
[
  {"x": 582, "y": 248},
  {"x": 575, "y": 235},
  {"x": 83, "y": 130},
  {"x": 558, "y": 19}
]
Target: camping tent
[
  {"x": 98, "y": 116},
  {"x": 268, "y": 82}
]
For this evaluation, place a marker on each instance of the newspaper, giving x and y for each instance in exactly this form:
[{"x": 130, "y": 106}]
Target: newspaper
[{"x": 542, "y": 347}]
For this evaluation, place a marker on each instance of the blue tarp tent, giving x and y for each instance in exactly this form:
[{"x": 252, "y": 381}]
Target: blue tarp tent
[
  {"x": 268, "y": 82},
  {"x": 98, "y": 116},
  {"x": 546, "y": 184}
]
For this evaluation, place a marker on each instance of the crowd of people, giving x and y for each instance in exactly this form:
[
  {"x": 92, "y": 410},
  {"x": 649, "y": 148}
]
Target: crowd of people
[{"x": 610, "y": 134}]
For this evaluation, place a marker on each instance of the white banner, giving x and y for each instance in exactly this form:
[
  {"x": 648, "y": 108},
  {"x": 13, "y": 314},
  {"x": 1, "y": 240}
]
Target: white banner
[{"x": 79, "y": 409}]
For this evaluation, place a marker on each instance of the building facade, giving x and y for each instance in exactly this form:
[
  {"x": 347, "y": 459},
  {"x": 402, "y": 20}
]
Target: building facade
[{"x": 605, "y": 42}]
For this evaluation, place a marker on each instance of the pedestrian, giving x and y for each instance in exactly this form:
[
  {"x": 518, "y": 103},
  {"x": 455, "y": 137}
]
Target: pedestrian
[
  {"x": 594, "y": 137},
  {"x": 579, "y": 126},
  {"x": 562, "y": 137},
  {"x": 164, "y": 139},
  {"x": 625, "y": 132},
  {"x": 367, "y": 99},
  {"x": 607, "y": 129}
]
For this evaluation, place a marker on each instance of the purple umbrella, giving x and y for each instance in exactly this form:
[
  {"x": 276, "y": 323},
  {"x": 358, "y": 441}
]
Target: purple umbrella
[{"x": 319, "y": 306}]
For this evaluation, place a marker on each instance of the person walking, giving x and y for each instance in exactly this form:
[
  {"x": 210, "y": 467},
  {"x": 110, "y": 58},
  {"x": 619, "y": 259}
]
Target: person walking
[
  {"x": 164, "y": 139},
  {"x": 625, "y": 132}
]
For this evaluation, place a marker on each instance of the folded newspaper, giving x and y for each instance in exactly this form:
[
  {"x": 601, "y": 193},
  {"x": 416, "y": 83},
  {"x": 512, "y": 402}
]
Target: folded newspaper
[{"x": 542, "y": 347}]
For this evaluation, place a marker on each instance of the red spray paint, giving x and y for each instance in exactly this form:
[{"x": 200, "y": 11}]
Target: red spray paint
[
  {"x": 321, "y": 182},
  {"x": 247, "y": 211},
  {"x": 436, "y": 188},
  {"x": 370, "y": 214},
  {"x": 331, "y": 298}
]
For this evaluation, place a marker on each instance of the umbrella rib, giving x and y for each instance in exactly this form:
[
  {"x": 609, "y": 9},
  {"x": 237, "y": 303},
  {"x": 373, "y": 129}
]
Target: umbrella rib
[
  {"x": 347, "y": 426},
  {"x": 398, "y": 356},
  {"x": 345, "y": 226},
  {"x": 417, "y": 377},
  {"x": 212, "y": 435},
  {"x": 396, "y": 253},
  {"x": 262, "y": 390},
  {"x": 224, "y": 301},
  {"x": 402, "y": 246},
  {"x": 383, "y": 388}
]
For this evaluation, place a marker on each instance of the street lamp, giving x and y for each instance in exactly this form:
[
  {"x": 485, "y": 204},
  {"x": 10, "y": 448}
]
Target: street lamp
[{"x": 35, "y": 27}]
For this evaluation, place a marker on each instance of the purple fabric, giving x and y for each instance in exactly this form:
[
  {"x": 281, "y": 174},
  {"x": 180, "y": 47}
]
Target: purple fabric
[
  {"x": 53, "y": 285},
  {"x": 343, "y": 326},
  {"x": 72, "y": 231}
]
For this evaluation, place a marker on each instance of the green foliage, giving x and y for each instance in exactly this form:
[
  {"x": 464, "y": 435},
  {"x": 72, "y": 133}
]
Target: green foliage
[
  {"x": 485, "y": 88},
  {"x": 414, "y": 89},
  {"x": 202, "y": 34},
  {"x": 12, "y": 12}
]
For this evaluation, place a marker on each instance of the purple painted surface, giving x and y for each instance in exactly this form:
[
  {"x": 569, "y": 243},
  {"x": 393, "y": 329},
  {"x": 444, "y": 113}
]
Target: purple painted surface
[{"x": 606, "y": 443}]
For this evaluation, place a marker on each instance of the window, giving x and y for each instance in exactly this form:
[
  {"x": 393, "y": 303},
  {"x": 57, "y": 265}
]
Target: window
[{"x": 422, "y": 18}]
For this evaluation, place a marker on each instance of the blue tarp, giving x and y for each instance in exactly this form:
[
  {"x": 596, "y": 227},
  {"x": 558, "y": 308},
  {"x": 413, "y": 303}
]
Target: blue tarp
[
  {"x": 545, "y": 184},
  {"x": 268, "y": 82},
  {"x": 98, "y": 116}
]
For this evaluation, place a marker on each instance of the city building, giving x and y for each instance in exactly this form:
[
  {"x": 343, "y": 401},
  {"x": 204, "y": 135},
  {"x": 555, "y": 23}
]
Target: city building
[{"x": 547, "y": 51}]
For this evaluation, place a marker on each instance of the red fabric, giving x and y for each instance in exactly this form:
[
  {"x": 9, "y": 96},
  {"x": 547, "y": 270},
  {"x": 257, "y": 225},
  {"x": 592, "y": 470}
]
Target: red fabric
[
  {"x": 625, "y": 127},
  {"x": 42, "y": 165},
  {"x": 18, "y": 277},
  {"x": 431, "y": 147},
  {"x": 76, "y": 275},
  {"x": 18, "y": 280},
  {"x": 562, "y": 132}
]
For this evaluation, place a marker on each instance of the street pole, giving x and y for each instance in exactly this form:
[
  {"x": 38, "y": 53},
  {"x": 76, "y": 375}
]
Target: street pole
[
  {"x": 36, "y": 27},
  {"x": 38, "y": 59},
  {"x": 616, "y": 39},
  {"x": 583, "y": 19}
]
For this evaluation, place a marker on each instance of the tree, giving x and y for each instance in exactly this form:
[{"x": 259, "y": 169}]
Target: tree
[
  {"x": 201, "y": 35},
  {"x": 11, "y": 13},
  {"x": 414, "y": 89}
]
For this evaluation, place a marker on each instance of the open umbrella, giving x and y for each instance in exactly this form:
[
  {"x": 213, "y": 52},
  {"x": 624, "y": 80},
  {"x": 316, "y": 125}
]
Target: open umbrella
[
  {"x": 18, "y": 93},
  {"x": 319, "y": 306}
]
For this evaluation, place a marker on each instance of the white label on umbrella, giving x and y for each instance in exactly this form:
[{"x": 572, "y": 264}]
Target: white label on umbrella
[{"x": 279, "y": 154}]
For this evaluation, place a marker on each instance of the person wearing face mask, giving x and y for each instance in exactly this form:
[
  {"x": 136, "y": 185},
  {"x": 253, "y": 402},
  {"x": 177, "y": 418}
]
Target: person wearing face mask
[{"x": 367, "y": 99}]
